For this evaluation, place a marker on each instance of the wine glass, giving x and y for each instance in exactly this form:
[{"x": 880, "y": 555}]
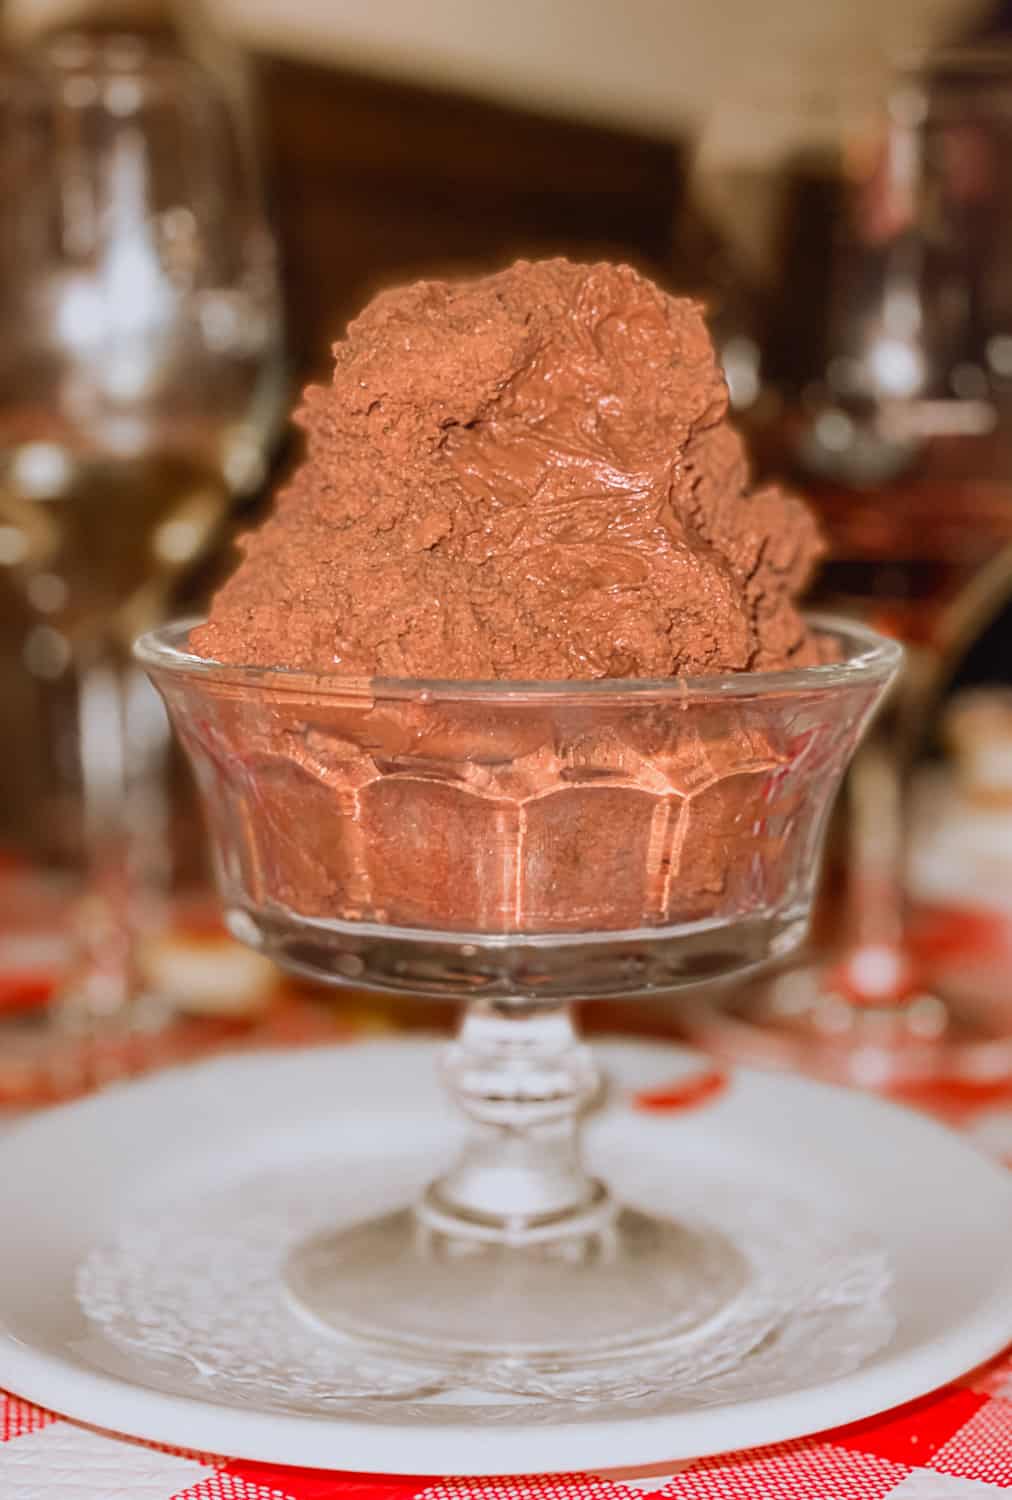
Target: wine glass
[
  {"x": 902, "y": 436},
  {"x": 518, "y": 846},
  {"x": 141, "y": 385}
]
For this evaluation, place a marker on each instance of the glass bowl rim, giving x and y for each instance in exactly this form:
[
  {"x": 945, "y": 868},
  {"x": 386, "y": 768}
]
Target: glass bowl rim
[{"x": 870, "y": 658}]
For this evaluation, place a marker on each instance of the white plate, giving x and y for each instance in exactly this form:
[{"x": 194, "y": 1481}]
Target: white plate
[{"x": 74, "y": 1177}]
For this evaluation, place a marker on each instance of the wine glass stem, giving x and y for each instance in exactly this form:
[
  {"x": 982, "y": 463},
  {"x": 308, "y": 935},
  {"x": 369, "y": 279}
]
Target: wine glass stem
[
  {"x": 524, "y": 1079},
  {"x": 877, "y": 845},
  {"x": 122, "y": 738}
]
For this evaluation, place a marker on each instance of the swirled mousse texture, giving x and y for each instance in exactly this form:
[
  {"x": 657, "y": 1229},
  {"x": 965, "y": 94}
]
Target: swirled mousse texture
[{"x": 525, "y": 476}]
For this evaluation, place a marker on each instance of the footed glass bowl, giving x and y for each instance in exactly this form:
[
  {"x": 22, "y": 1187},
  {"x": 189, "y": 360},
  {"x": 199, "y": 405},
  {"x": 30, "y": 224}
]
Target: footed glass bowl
[{"x": 521, "y": 845}]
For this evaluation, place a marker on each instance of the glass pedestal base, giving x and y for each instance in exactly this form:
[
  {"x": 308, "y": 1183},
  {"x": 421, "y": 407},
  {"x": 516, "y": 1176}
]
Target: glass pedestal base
[{"x": 615, "y": 1282}]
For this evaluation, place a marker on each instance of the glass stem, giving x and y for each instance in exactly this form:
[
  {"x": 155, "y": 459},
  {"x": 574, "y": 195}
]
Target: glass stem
[
  {"x": 524, "y": 1079},
  {"x": 877, "y": 846},
  {"x": 879, "y": 974},
  {"x": 122, "y": 740}
]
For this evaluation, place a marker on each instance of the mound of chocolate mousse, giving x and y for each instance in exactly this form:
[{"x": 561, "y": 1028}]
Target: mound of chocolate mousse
[
  {"x": 524, "y": 476},
  {"x": 528, "y": 476}
]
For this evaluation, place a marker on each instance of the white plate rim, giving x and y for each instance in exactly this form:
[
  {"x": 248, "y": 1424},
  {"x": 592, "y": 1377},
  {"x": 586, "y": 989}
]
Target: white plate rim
[{"x": 119, "y": 1407}]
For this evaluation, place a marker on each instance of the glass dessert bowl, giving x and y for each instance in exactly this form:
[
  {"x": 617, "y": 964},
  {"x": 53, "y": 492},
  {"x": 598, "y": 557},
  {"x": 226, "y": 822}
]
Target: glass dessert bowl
[{"x": 521, "y": 845}]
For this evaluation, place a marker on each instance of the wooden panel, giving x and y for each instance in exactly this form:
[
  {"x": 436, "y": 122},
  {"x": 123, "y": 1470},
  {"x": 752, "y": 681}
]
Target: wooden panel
[{"x": 377, "y": 182}]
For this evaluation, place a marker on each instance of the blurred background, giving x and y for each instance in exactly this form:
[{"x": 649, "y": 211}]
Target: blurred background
[{"x": 197, "y": 199}]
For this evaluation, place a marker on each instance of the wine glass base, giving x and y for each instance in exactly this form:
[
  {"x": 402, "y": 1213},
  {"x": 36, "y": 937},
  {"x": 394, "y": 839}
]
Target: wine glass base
[
  {"x": 473, "y": 966},
  {"x": 792, "y": 1021},
  {"x": 624, "y": 1284}
]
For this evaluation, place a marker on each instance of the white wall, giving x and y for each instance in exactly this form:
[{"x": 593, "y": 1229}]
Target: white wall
[
  {"x": 651, "y": 64},
  {"x": 647, "y": 63}
]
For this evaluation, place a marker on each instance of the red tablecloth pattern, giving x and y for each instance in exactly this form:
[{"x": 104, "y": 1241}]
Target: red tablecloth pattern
[{"x": 954, "y": 1445}]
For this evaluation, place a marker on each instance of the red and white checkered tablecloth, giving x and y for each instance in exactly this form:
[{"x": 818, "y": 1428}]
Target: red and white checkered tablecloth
[{"x": 953, "y": 1445}]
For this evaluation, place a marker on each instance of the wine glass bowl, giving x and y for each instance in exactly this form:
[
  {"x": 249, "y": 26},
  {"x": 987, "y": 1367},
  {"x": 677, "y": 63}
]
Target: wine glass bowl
[
  {"x": 480, "y": 837},
  {"x": 140, "y": 371},
  {"x": 520, "y": 845}
]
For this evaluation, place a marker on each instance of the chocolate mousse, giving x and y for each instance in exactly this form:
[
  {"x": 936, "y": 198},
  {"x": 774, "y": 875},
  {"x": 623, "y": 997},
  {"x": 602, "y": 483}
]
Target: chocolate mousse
[
  {"x": 529, "y": 476},
  {"x": 526, "y": 476}
]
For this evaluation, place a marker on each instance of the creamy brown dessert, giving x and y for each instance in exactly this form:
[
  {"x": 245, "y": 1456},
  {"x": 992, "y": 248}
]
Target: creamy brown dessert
[{"x": 528, "y": 476}]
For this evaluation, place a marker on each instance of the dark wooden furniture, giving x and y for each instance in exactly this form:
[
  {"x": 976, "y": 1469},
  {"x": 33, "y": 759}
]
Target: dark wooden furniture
[{"x": 377, "y": 182}]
